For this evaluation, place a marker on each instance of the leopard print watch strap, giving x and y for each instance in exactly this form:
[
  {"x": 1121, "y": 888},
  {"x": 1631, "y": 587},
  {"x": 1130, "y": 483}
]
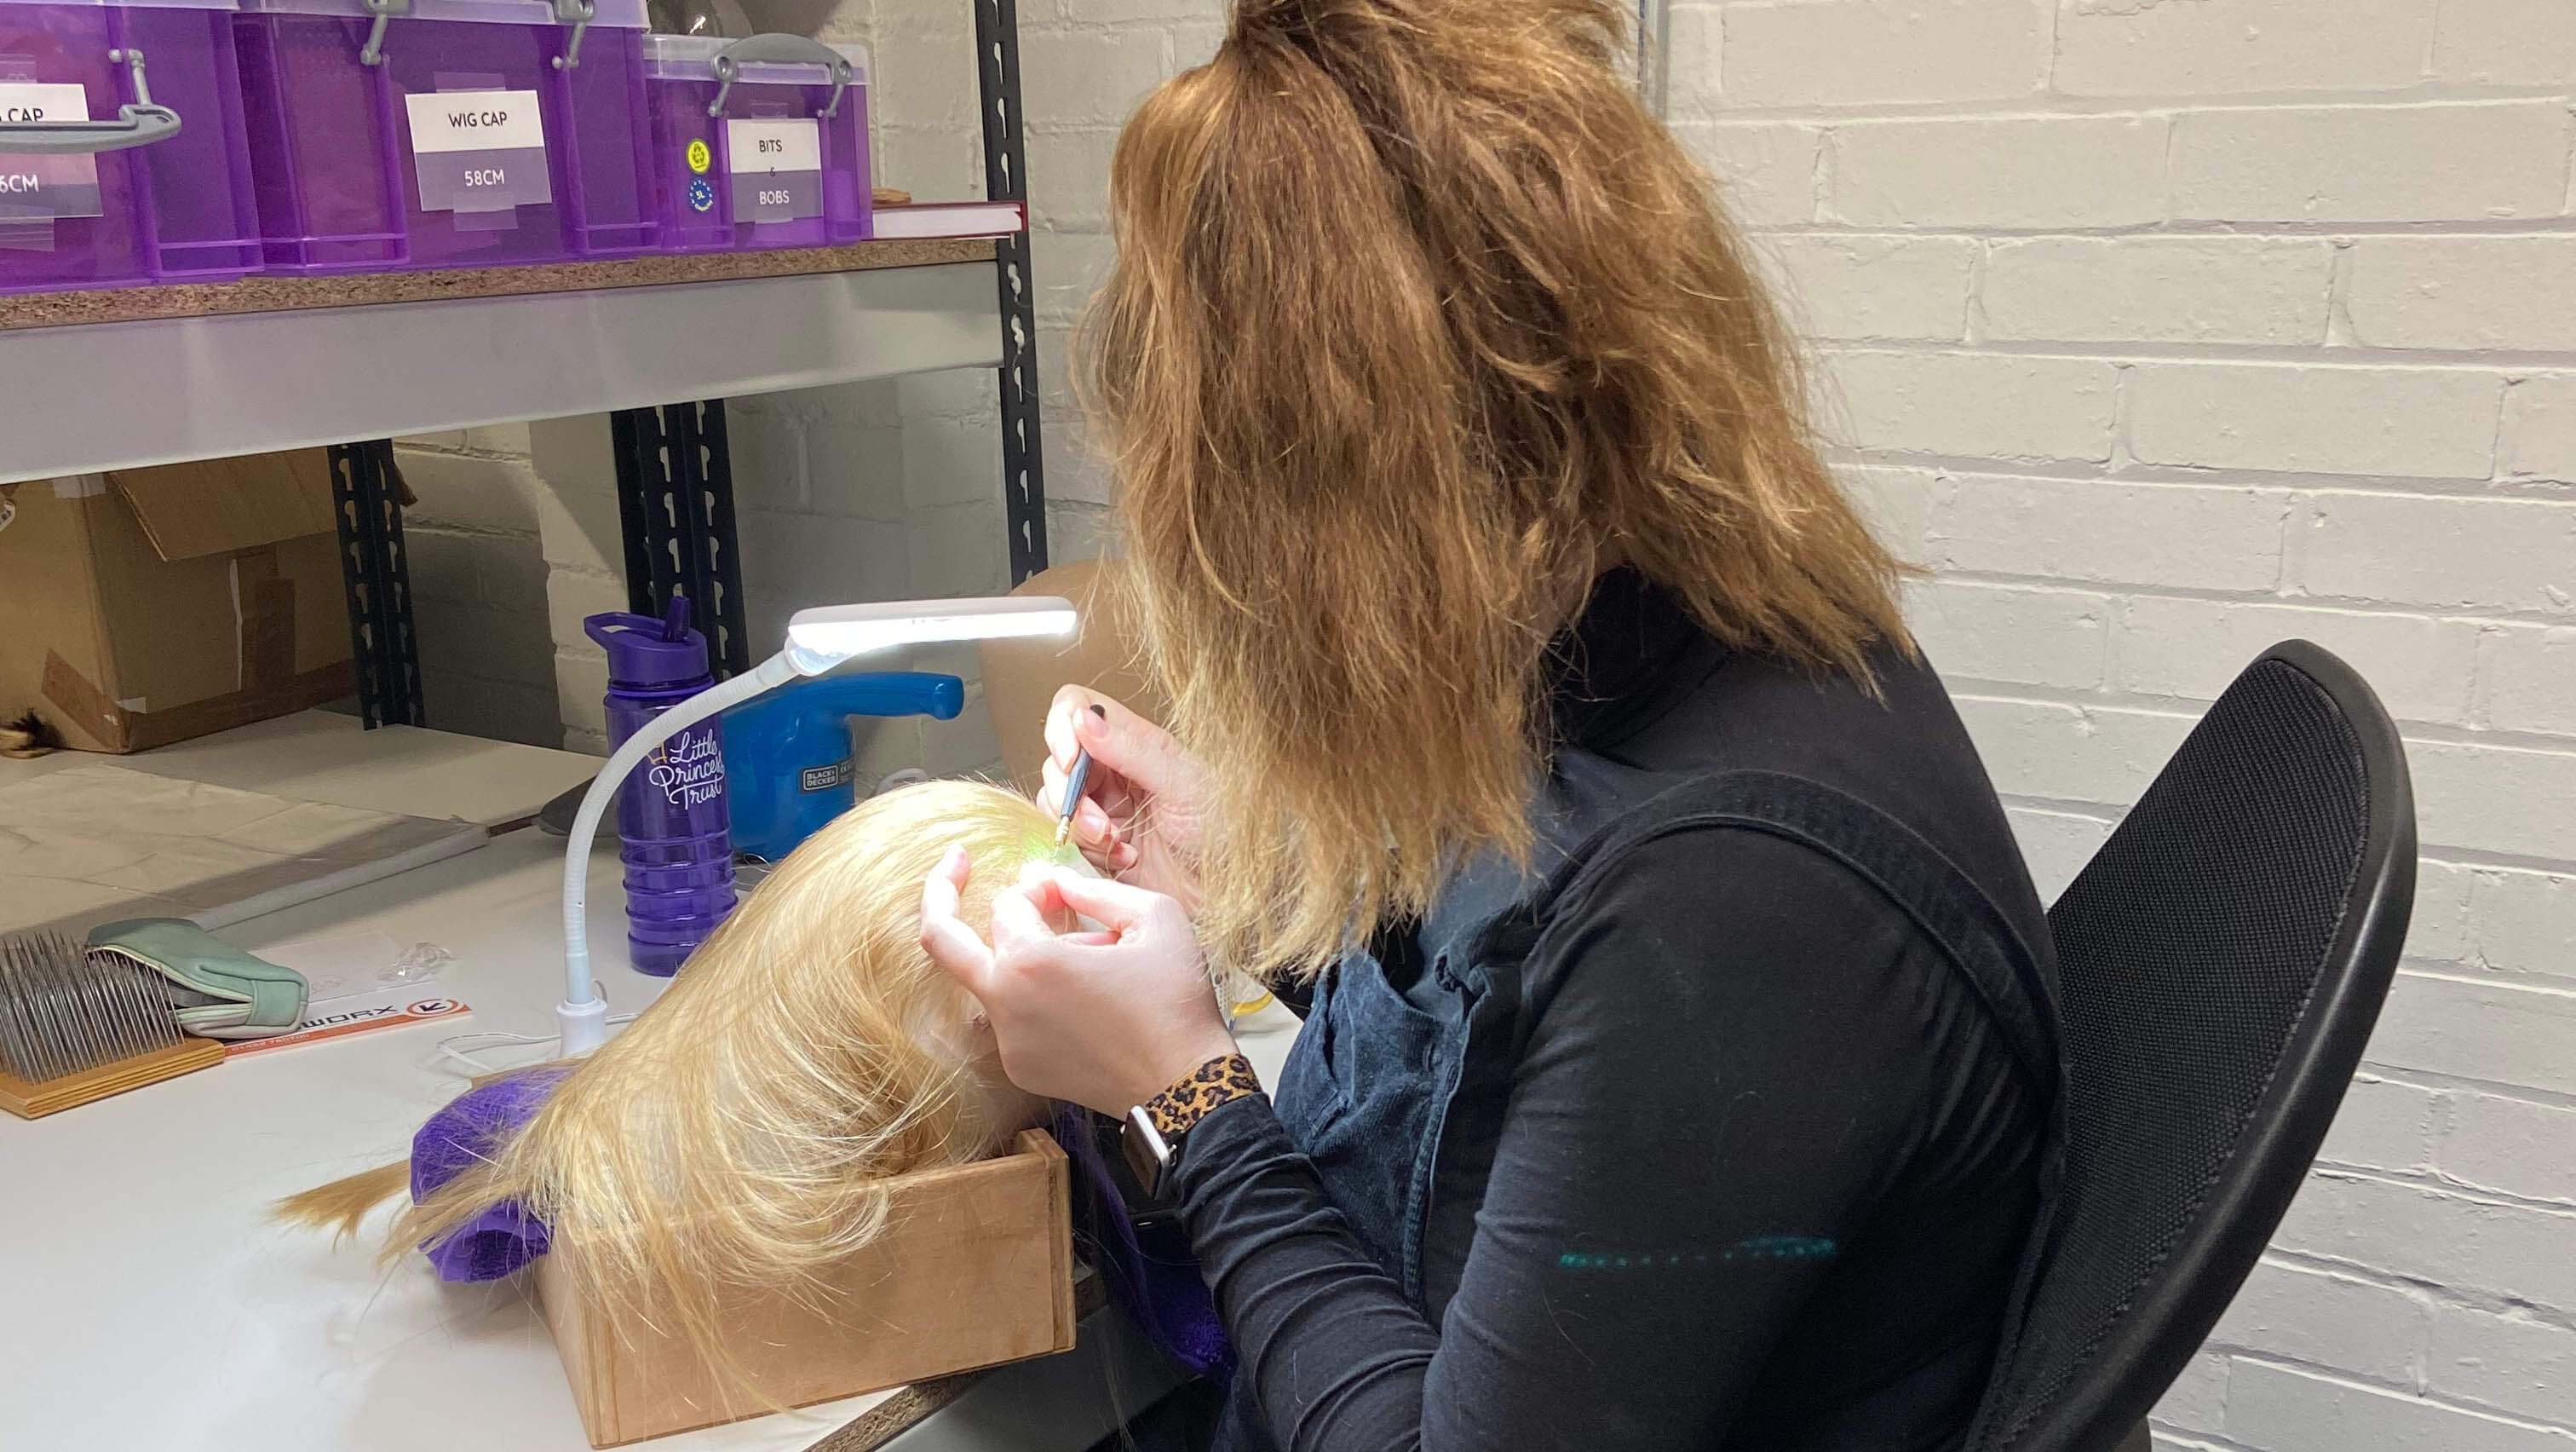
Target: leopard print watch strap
[{"x": 1218, "y": 1081}]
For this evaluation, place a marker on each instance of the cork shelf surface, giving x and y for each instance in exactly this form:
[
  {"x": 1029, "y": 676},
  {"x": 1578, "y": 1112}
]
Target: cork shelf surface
[{"x": 280, "y": 293}]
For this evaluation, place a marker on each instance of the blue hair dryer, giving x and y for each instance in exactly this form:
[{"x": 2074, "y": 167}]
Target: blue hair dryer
[{"x": 787, "y": 754}]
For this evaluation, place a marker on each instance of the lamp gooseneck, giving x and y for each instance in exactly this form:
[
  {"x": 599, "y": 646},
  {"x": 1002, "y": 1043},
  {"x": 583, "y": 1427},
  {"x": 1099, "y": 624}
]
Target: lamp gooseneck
[{"x": 582, "y": 1018}]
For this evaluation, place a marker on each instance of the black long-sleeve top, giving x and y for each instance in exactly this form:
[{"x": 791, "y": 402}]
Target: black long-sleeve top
[{"x": 1767, "y": 1164}]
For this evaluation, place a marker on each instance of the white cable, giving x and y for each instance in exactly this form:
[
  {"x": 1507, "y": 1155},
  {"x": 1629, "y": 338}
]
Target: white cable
[
  {"x": 582, "y": 1017},
  {"x": 459, "y": 1052}
]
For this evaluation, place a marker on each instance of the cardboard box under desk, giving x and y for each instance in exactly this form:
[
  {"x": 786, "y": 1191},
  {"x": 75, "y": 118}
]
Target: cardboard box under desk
[
  {"x": 147, "y": 606},
  {"x": 975, "y": 1268}
]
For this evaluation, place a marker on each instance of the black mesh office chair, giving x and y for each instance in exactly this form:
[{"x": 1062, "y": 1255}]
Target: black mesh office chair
[{"x": 2221, "y": 962}]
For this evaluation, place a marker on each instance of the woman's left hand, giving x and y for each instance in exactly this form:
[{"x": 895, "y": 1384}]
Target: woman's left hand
[{"x": 1105, "y": 1019}]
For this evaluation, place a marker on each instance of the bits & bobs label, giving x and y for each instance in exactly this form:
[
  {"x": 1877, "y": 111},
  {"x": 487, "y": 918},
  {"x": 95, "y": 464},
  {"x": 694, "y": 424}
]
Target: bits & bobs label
[
  {"x": 40, "y": 188},
  {"x": 478, "y": 151},
  {"x": 777, "y": 169}
]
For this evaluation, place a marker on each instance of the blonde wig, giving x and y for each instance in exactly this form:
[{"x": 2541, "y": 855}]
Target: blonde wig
[
  {"x": 738, "y": 1134},
  {"x": 1419, "y": 319}
]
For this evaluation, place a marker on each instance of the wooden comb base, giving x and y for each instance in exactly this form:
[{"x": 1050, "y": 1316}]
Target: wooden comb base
[{"x": 34, "y": 1101}]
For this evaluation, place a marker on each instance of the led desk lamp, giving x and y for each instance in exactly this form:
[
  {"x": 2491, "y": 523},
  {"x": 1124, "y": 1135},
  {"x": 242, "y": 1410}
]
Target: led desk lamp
[{"x": 818, "y": 640}]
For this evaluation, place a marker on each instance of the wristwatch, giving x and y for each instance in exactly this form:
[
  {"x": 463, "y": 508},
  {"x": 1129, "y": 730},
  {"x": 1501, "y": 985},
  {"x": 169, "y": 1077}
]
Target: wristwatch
[{"x": 1155, "y": 1130}]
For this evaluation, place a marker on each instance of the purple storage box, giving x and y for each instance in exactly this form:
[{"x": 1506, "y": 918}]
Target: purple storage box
[
  {"x": 399, "y": 134},
  {"x": 121, "y": 151},
  {"x": 758, "y": 143}
]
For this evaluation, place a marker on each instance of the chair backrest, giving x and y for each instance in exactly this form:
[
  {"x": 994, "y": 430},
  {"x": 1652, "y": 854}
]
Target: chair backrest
[{"x": 2221, "y": 961}]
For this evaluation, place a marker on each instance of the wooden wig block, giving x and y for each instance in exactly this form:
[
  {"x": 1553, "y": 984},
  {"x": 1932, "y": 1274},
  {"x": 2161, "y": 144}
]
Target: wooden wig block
[{"x": 975, "y": 1268}]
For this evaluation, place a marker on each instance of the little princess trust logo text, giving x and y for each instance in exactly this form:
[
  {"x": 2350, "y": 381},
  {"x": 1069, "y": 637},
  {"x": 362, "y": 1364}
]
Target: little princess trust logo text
[{"x": 688, "y": 769}]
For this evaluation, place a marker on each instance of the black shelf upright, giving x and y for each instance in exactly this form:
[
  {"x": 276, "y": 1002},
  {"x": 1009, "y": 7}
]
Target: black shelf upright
[
  {"x": 366, "y": 499},
  {"x": 675, "y": 515},
  {"x": 997, "y": 69}
]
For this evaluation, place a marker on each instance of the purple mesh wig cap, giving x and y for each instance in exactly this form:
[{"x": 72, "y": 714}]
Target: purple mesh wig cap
[{"x": 505, "y": 1236}]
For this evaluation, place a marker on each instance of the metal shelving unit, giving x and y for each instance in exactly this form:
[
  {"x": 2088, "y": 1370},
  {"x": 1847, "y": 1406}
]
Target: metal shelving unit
[{"x": 102, "y": 381}]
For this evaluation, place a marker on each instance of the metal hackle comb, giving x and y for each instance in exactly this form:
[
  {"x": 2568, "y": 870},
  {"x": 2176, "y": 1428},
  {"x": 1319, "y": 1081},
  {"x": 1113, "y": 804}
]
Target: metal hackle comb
[{"x": 77, "y": 1026}]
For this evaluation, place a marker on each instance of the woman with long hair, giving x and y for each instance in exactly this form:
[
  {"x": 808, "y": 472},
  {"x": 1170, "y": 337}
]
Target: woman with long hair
[{"x": 1678, "y": 1066}]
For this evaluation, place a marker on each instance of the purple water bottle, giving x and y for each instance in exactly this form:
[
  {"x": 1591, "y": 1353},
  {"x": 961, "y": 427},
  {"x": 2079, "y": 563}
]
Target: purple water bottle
[{"x": 671, "y": 811}]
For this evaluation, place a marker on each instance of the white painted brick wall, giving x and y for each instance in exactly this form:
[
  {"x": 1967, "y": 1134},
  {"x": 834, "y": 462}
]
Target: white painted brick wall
[
  {"x": 1877, "y": 287},
  {"x": 2142, "y": 48},
  {"x": 479, "y": 585},
  {"x": 2188, "y": 536},
  {"x": 2516, "y": 921},
  {"x": 2439, "y": 552},
  {"x": 2011, "y": 172},
  {"x": 2386, "y": 1124},
  {"x": 2328, "y": 1319},
  {"x": 1981, "y": 405},
  {"x": 2300, "y": 418},
  {"x": 2155, "y": 289},
  {"x": 2180, "y": 646},
  {"x": 2539, "y": 440},
  {"x": 2510, "y": 1146},
  {"x": 2371, "y": 165},
  {"x": 2505, "y": 42},
  {"x": 1768, "y": 173},
  {"x": 2013, "y": 634},
  {"x": 2268, "y": 329},
  {"x": 1865, "y": 52},
  {"x": 2270, "y": 1405},
  {"x": 2517, "y": 294}
]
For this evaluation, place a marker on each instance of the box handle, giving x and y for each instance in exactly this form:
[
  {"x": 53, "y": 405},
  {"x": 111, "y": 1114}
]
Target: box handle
[
  {"x": 786, "y": 49},
  {"x": 578, "y": 14},
  {"x": 575, "y": 13},
  {"x": 139, "y": 124},
  {"x": 373, "y": 52}
]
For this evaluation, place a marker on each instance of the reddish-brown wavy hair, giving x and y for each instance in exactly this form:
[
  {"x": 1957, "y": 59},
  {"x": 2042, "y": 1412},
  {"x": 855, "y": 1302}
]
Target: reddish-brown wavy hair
[{"x": 1419, "y": 318}]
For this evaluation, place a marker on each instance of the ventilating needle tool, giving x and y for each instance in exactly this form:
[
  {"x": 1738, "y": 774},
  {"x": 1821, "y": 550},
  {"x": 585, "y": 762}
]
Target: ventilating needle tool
[{"x": 1073, "y": 782}]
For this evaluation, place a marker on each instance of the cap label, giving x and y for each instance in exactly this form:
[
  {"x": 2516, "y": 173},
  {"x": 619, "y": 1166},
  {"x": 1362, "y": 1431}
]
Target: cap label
[
  {"x": 478, "y": 151},
  {"x": 40, "y": 188}
]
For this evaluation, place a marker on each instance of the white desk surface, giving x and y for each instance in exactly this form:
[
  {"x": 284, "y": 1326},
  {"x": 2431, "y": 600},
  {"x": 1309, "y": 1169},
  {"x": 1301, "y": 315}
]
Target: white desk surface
[
  {"x": 150, "y": 1304},
  {"x": 321, "y": 756}
]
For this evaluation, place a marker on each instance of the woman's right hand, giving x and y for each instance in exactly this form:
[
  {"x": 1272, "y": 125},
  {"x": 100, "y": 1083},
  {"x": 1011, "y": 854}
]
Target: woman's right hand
[{"x": 1144, "y": 802}]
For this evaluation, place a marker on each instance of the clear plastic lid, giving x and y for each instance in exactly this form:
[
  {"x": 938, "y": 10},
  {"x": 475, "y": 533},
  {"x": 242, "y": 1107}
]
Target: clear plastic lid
[
  {"x": 611, "y": 14},
  {"x": 129, "y": 4},
  {"x": 693, "y": 58}
]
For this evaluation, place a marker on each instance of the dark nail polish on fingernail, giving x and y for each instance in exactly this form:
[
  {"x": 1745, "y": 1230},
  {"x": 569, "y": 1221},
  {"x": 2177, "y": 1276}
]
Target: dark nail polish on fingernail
[{"x": 1100, "y": 711}]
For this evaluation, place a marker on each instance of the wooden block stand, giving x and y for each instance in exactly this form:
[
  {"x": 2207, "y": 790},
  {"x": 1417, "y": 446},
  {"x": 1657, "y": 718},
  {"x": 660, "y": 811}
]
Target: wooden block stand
[{"x": 975, "y": 1269}]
